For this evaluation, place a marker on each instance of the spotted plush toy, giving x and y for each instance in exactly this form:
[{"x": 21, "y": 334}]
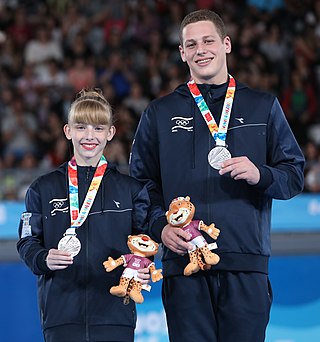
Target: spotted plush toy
[
  {"x": 141, "y": 247},
  {"x": 180, "y": 214}
]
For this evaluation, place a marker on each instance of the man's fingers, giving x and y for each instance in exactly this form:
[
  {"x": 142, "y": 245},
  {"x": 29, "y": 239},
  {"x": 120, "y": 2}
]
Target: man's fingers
[
  {"x": 58, "y": 260},
  {"x": 144, "y": 275}
]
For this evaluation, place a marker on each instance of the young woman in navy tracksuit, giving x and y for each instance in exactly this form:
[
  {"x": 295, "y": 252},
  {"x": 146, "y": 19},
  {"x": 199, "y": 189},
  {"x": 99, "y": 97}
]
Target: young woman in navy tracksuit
[
  {"x": 75, "y": 217},
  {"x": 231, "y": 150}
]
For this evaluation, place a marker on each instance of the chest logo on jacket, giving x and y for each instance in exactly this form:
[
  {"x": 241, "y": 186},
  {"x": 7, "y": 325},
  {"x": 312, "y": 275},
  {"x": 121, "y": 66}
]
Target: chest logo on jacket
[
  {"x": 241, "y": 120},
  {"x": 117, "y": 203},
  {"x": 58, "y": 205},
  {"x": 181, "y": 123}
]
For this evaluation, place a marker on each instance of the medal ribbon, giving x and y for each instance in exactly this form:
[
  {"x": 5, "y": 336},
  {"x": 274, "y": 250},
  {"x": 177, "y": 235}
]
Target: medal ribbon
[
  {"x": 219, "y": 134},
  {"x": 77, "y": 218}
]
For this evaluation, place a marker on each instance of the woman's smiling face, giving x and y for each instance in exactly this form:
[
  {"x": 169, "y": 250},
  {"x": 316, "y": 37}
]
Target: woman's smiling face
[{"x": 88, "y": 141}]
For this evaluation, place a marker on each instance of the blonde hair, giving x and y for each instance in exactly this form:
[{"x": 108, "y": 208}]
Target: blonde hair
[{"x": 90, "y": 107}]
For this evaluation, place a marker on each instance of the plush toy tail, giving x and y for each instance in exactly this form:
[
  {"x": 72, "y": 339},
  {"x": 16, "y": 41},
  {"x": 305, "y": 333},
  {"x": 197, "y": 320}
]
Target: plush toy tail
[{"x": 126, "y": 299}]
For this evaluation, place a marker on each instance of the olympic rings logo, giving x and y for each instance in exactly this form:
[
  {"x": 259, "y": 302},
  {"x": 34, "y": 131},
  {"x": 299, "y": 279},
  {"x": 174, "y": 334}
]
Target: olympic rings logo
[
  {"x": 57, "y": 205},
  {"x": 182, "y": 122}
]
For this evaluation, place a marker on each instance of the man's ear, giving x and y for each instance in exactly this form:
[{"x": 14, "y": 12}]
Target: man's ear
[
  {"x": 66, "y": 130},
  {"x": 182, "y": 53},
  {"x": 227, "y": 44}
]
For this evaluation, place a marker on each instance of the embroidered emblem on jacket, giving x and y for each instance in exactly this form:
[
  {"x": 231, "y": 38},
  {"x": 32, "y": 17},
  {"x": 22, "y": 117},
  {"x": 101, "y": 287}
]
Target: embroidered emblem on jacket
[
  {"x": 181, "y": 122},
  {"x": 59, "y": 205}
]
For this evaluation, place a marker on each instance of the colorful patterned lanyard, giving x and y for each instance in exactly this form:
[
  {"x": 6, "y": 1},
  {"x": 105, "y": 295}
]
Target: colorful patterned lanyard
[
  {"x": 219, "y": 134},
  {"x": 77, "y": 218}
]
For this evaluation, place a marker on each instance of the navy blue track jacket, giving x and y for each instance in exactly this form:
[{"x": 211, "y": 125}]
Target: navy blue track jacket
[
  {"x": 170, "y": 152},
  {"x": 79, "y": 295}
]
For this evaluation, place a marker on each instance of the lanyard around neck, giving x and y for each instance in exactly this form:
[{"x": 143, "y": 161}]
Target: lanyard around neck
[
  {"x": 219, "y": 134},
  {"x": 77, "y": 218}
]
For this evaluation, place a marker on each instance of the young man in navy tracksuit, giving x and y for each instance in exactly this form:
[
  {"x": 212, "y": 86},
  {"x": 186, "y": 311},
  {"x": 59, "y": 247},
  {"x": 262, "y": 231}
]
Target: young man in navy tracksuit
[
  {"x": 231, "y": 150},
  {"x": 77, "y": 216}
]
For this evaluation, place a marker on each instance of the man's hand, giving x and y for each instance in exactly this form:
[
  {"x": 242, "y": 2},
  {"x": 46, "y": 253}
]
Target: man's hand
[
  {"x": 58, "y": 260},
  {"x": 144, "y": 275},
  {"x": 241, "y": 168},
  {"x": 176, "y": 239}
]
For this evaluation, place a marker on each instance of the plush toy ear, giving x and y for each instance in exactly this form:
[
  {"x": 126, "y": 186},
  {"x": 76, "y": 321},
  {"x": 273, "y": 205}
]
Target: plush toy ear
[
  {"x": 167, "y": 213},
  {"x": 187, "y": 198}
]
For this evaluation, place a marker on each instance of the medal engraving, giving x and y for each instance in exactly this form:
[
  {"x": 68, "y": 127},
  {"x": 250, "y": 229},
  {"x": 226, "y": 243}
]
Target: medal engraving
[
  {"x": 218, "y": 155},
  {"x": 70, "y": 244}
]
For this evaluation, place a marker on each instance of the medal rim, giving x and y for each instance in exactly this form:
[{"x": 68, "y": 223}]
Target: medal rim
[
  {"x": 213, "y": 163},
  {"x": 61, "y": 244}
]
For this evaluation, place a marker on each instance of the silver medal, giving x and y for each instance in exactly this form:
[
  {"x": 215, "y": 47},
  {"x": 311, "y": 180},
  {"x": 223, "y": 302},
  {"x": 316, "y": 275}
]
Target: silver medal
[
  {"x": 70, "y": 244},
  {"x": 218, "y": 155}
]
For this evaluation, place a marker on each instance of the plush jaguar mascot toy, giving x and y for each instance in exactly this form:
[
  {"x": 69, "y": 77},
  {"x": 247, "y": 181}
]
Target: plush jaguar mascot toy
[
  {"x": 180, "y": 214},
  {"x": 141, "y": 247}
]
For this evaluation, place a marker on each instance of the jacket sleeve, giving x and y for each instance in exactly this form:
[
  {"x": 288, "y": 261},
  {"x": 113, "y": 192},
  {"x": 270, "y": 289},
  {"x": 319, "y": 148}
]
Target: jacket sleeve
[
  {"x": 30, "y": 243},
  {"x": 282, "y": 177},
  {"x": 145, "y": 166},
  {"x": 141, "y": 205}
]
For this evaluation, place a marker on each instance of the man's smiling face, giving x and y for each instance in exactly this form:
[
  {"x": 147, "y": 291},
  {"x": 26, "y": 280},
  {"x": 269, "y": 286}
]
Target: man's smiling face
[{"x": 205, "y": 52}]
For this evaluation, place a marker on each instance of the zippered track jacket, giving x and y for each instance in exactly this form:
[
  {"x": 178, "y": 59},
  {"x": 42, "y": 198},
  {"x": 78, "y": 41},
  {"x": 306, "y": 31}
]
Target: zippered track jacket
[
  {"x": 79, "y": 294},
  {"x": 170, "y": 154}
]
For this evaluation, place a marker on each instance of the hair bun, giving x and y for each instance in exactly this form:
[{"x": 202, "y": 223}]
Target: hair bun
[{"x": 94, "y": 94}]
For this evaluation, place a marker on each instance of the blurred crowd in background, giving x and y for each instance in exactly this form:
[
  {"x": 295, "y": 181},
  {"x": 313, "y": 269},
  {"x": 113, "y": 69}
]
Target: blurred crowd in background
[{"x": 49, "y": 50}]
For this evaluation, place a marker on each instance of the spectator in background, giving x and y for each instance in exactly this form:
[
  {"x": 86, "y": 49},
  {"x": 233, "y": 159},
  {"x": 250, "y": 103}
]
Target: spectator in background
[
  {"x": 136, "y": 101},
  {"x": 143, "y": 21},
  {"x": 78, "y": 48},
  {"x": 152, "y": 79},
  {"x": 49, "y": 133},
  {"x": 118, "y": 74},
  {"x": 73, "y": 22},
  {"x": 117, "y": 154},
  {"x": 312, "y": 170},
  {"x": 299, "y": 102},
  {"x": 20, "y": 31},
  {"x": 81, "y": 75},
  {"x": 42, "y": 48},
  {"x": 18, "y": 134},
  {"x": 312, "y": 179},
  {"x": 28, "y": 85},
  {"x": 274, "y": 46},
  {"x": 125, "y": 124},
  {"x": 53, "y": 76},
  {"x": 8, "y": 54}
]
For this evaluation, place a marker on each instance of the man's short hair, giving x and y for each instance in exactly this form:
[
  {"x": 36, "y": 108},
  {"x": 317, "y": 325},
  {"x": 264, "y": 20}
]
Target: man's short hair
[{"x": 203, "y": 15}]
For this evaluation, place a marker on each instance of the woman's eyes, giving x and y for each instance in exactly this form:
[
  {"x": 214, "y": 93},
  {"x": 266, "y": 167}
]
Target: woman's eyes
[
  {"x": 99, "y": 128},
  {"x": 80, "y": 127},
  {"x": 96, "y": 128}
]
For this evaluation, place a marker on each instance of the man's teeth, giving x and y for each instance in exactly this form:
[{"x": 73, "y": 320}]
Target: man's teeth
[{"x": 204, "y": 61}]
